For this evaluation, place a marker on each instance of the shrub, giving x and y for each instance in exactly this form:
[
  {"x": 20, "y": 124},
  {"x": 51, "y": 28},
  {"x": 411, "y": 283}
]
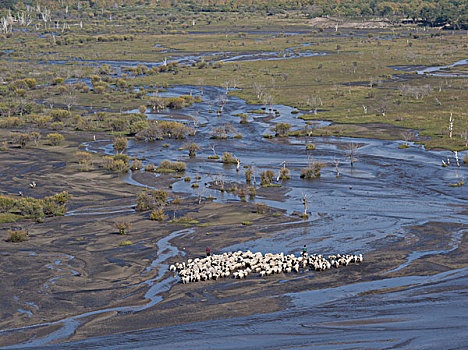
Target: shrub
[
  {"x": 125, "y": 243},
  {"x": 248, "y": 175},
  {"x": 136, "y": 165},
  {"x": 120, "y": 166},
  {"x": 120, "y": 144},
  {"x": 163, "y": 129},
  {"x": 310, "y": 146},
  {"x": 150, "y": 168},
  {"x": 6, "y": 203},
  {"x": 11, "y": 122},
  {"x": 228, "y": 158},
  {"x": 167, "y": 167},
  {"x": 55, "y": 205},
  {"x": 30, "y": 207},
  {"x": 266, "y": 177},
  {"x": 282, "y": 129},
  {"x": 261, "y": 208},
  {"x": 55, "y": 139},
  {"x": 84, "y": 159},
  {"x": 312, "y": 171},
  {"x": 60, "y": 114},
  {"x": 157, "y": 215},
  {"x": 284, "y": 174},
  {"x": 19, "y": 235},
  {"x": 58, "y": 81},
  {"x": 116, "y": 163},
  {"x": 192, "y": 148},
  {"x": 21, "y": 139},
  {"x": 148, "y": 200},
  {"x": 123, "y": 227}
]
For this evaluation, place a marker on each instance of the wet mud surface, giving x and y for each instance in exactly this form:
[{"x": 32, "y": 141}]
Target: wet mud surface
[{"x": 394, "y": 205}]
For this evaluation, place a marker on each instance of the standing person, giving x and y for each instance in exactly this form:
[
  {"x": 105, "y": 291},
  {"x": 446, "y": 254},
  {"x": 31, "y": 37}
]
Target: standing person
[
  {"x": 304, "y": 250},
  {"x": 208, "y": 251}
]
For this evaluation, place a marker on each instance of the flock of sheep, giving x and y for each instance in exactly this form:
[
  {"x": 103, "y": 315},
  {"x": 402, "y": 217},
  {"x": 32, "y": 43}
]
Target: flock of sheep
[{"x": 240, "y": 264}]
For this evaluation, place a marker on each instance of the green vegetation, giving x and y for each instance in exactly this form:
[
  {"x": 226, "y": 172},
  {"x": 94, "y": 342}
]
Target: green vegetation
[
  {"x": 122, "y": 227},
  {"x": 55, "y": 139},
  {"x": 117, "y": 163},
  {"x": 266, "y": 178},
  {"x": 353, "y": 85},
  {"x": 228, "y": 158},
  {"x": 171, "y": 167},
  {"x": 151, "y": 200},
  {"x": 120, "y": 144},
  {"x": 125, "y": 243},
  {"x": 17, "y": 235},
  {"x": 15, "y": 208},
  {"x": 157, "y": 215},
  {"x": 312, "y": 171}
]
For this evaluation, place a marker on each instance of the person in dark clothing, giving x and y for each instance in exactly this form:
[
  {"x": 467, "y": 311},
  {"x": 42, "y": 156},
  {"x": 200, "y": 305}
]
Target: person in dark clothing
[
  {"x": 208, "y": 251},
  {"x": 304, "y": 250}
]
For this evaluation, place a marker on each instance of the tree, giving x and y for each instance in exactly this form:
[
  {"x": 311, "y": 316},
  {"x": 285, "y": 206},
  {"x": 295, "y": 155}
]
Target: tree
[
  {"x": 192, "y": 148},
  {"x": 55, "y": 139},
  {"x": 282, "y": 129},
  {"x": 120, "y": 144},
  {"x": 351, "y": 152}
]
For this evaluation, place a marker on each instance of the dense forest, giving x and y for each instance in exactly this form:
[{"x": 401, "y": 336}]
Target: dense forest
[{"x": 450, "y": 13}]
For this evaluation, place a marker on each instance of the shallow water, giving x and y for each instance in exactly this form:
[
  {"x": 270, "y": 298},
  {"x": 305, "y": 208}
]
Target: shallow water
[
  {"x": 387, "y": 190},
  {"x": 424, "y": 314}
]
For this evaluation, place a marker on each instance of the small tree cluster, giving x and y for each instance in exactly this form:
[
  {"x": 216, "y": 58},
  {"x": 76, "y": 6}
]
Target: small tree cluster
[
  {"x": 229, "y": 158},
  {"x": 312, "y": 171},
  {"x": 170, "y": 167},
  {"x": 152, "y": 199},
  {"x": 266, "y": 177}
]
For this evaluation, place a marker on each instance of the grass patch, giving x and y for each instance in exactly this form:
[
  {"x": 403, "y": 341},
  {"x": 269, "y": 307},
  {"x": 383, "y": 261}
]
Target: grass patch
[{"x": 9, "y": 217}]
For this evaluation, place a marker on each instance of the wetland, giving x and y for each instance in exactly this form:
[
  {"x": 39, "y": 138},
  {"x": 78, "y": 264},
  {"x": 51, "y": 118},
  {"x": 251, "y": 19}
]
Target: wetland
[{"x": 234, "y": 132}]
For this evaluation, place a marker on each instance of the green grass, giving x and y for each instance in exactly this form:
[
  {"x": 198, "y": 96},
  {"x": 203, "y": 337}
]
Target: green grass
[
  {"x": 319, "y": 83},
  {"x": 9, "y": 217}
]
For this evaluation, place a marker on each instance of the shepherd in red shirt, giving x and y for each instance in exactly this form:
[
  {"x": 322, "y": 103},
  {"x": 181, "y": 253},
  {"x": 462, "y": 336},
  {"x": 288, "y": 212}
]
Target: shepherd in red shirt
[{"x": 208, "y": 251}]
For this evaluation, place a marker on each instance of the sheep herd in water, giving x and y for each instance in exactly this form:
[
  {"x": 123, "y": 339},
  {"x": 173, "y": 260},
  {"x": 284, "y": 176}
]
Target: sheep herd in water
[{"x": 240, "y": 264}]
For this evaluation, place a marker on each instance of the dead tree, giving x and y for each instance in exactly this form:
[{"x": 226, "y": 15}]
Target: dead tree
[
  {"x": 351, "y": 152},
  {"x": 305, "y": 200}
]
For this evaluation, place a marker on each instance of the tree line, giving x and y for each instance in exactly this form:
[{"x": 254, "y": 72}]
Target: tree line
[{"x": 453, "y": 13}]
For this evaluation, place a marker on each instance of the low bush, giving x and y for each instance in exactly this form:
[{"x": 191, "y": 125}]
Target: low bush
[
  {"x": 149, "y": 200},
  {"x": 136, "y": 165},
  {"x": 312, "y": 171},
  {"x": 122, "y": 227},
  {"x": 55, "y": 139},
  {"x": 282, "y": 129},
  {"x": 266, "y": 177},
  {"x": 157, "y": 215},
  {"x": 228, "y": 158},
  {"x": 19, "y": 235},
  {"x": 167, "y": 167}
]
